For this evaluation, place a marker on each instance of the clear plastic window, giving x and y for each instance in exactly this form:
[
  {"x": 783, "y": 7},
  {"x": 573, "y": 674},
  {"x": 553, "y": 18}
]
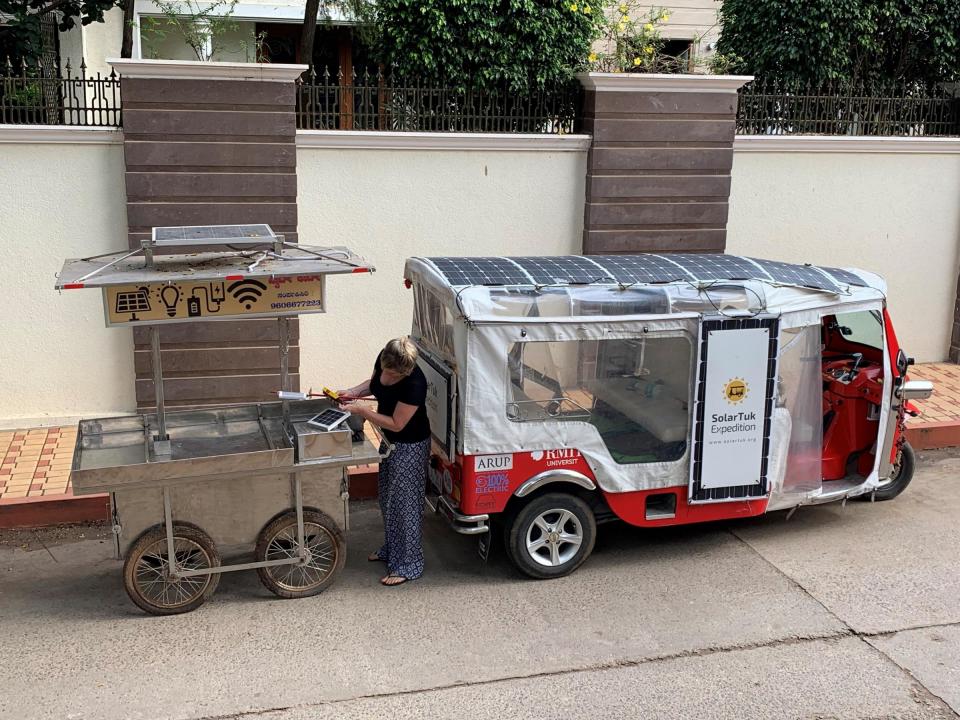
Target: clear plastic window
[
  {"x": 862, "y": 328},
  {"x": 432, "y": 322},
  {"x": 635, "y": 392}
]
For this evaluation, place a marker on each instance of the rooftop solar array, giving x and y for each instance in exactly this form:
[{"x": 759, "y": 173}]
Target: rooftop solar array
[
  {"x": 631, "y": 269},
  {"x": 213, "y": 234}
]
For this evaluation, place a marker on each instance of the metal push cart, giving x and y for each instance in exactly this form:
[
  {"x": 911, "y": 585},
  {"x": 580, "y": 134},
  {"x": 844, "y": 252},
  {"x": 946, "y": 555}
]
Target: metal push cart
[{"x": 192, "y": 487}]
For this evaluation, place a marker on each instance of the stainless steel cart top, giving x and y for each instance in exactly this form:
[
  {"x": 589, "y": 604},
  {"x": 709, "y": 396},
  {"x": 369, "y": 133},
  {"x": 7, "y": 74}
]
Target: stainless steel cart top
[{"x": 137, "y": 267}]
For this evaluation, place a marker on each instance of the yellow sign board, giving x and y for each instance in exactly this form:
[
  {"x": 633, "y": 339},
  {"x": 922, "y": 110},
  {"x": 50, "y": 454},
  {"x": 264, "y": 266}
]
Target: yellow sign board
[{"x": 233, "y": 297}]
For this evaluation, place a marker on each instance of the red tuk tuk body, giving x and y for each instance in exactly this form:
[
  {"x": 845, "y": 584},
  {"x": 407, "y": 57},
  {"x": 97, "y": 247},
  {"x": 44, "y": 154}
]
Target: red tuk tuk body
[{"x": 655, "y": 389}]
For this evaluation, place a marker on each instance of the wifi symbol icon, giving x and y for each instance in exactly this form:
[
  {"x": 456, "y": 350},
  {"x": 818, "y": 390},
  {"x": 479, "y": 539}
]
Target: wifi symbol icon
[{"x": 247, "y": 292}]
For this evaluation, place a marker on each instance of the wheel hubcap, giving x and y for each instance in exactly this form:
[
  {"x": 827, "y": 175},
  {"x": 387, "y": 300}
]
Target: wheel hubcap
[{"x": 554, "y": 537}]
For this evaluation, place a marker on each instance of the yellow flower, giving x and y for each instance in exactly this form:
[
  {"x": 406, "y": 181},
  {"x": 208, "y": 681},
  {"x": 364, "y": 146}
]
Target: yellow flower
[
  {"x": 592, "y": 57},
  {"x": 665, "y": 17},
  {"x": 586, "y": 9},
  {"x": 621, "y": 27},
  {"x": 623, "y": 8},
  {"x": 625, "y": 18},
  {"x": 648, "y": 27},
  {"x": 573, "y": 7},
  {"x": 637, "y": 61},
  {"x": 648, "y": 50}
]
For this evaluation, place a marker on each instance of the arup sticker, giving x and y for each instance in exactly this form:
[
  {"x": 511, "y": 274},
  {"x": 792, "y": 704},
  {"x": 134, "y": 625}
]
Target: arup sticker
[{"x": 489, "y": 463}]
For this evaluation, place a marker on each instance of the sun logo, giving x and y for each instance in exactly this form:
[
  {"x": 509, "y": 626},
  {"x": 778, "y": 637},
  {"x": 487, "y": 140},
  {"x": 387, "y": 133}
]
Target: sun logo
[{"x": 736, "y": 391}]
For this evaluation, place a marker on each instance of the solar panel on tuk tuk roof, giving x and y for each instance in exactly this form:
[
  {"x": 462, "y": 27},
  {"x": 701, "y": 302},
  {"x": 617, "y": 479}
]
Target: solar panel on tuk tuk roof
[
  {"x": 629, "y": 269},
  {"x": 642, "y": 268},
  {"x": 801, "y": 275},
  {"x": 575, "y": 269},
  {"x": 481, "y": 271},
  {"x": 845, "y": 276}
]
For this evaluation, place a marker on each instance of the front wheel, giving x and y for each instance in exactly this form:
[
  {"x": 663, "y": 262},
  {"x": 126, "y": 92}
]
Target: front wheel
[
  {"x": 551, "y": 536},
  {"x": 900, "y": 475},
  {"x": 324, "y": 554}
]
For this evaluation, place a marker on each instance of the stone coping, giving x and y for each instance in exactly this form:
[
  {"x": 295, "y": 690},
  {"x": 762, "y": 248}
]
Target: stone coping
[
  {"x": 196, "y": 70},
  {"x": 662, "y": 82}
]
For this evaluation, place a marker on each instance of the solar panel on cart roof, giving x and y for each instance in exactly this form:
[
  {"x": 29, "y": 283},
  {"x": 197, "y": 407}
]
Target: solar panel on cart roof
[{"x": 200, "y": 233}]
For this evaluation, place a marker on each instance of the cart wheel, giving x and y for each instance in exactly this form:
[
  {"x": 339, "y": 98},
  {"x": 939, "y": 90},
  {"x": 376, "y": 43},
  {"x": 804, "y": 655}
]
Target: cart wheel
[
  {"x": 325, "y": 545},
  {"x": 900, "y": 476},
  {"x": 146, "y": 571},
  {"x": 551, "y": 535}
]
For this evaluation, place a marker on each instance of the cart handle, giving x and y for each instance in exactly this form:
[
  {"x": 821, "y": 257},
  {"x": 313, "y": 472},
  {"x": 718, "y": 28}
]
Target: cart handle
[{"x": 383, "y": 441}]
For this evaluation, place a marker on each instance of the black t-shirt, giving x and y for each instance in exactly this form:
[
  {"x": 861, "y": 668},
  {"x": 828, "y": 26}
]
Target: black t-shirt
[{"x": 412, "y": 390}]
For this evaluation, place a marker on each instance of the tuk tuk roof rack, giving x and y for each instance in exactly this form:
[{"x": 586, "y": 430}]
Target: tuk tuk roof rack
[{"x": 641, "y": 269}]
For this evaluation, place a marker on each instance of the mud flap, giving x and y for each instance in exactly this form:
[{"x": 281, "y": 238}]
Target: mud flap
[{"x": 485, "y": 541}]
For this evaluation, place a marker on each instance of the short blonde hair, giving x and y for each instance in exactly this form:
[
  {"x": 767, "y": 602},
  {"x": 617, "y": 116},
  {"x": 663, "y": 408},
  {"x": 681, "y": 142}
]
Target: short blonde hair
[{"x": 399, "y": 355}]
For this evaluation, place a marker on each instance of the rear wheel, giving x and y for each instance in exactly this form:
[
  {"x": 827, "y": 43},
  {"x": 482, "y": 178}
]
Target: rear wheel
[
  {"x": 900, "y": 475},
  {"x": 325, "y": 547},
  {"x": 551, "y": 536}
]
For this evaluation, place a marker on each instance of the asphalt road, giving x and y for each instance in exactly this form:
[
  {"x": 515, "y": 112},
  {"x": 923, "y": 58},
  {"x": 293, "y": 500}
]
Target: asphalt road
[{"x": 847, "y": 612}]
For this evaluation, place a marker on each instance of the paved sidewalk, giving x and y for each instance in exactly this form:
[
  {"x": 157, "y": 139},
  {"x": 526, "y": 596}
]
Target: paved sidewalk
[
  {"x": 944, "y": 404},
  {"x": 36, "y": 463}
]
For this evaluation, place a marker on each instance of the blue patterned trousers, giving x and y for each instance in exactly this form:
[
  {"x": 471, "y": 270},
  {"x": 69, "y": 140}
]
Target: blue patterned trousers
[{"x": 400, "y": 486}]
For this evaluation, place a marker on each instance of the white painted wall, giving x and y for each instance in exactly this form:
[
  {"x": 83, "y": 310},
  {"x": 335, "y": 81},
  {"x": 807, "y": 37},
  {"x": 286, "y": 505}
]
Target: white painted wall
[
  {"x": 391, "y": 204},
  {"x": 891, "y": 206},
  {"x": 59, "y": 200}
]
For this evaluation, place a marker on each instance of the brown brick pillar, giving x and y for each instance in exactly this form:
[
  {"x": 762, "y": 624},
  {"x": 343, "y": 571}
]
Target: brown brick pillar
[
  {"x": 658, "y": 169},
  {"x": 210, "y": 144}
]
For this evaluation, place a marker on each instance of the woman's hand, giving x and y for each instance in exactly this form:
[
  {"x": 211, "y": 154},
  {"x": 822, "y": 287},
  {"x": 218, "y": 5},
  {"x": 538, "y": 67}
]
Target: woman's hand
[{"x": 355, "y": 408}]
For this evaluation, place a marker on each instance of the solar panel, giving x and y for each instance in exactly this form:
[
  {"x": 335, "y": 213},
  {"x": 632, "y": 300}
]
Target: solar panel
[
  {"x": 481, "y": 271},
  {"x": 845, "y": 276},
  {"x": 562, "y": 269},
  {"x": 213, "y": 234},
  {"x": 641, "y": 268},
  {"x": 717, "y": 267},
  {"x": 801, "y": 275}
]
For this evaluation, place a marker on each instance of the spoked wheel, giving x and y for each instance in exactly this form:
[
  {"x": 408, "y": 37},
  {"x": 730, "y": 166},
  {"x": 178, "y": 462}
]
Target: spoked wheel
[
  {"x": 900, "y": 475},
  {"x": 551, "y": 536},
  {"x": 146, "y": 571},
  {"x": 326, "y": 554}
]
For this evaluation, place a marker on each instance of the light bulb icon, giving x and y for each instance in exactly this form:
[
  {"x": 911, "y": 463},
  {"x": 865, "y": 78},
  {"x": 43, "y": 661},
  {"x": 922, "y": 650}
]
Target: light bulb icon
[{"x": 170, "y": 296}]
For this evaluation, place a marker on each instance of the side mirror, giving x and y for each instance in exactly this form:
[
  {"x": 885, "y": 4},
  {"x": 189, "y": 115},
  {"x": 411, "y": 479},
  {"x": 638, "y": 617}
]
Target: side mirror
[
  {"x": 903, "y": 362},
  {"x": 844, "y": 330},
  {"x": 916, "y": 390}
]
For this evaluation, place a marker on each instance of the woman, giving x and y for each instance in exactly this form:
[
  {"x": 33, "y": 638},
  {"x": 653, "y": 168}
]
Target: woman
[{"x": 400, "y": 388}]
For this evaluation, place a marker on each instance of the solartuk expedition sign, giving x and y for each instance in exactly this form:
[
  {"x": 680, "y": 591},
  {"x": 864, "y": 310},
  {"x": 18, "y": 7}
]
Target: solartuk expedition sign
[
  {"x": 231, "y": 298},
  {"x": 734, "y": 395}
]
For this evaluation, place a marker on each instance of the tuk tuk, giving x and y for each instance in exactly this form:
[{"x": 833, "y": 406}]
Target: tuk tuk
[{"x": 655, "y": 389}]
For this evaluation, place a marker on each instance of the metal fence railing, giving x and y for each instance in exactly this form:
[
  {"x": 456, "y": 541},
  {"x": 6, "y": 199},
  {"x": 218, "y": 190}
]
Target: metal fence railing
[
  {"x": 373, "y": 101},
  {"x": 34, "y": 94},
  {"x": 770, "y": 107}
]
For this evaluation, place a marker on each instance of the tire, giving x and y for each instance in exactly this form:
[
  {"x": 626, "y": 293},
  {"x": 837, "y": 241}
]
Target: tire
[
  {"x": 901, "y": 476},
  {"x": 146, "y": 575},
  {"x": 323, "y": 539},
  {"x": 528, "y": 532}
]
